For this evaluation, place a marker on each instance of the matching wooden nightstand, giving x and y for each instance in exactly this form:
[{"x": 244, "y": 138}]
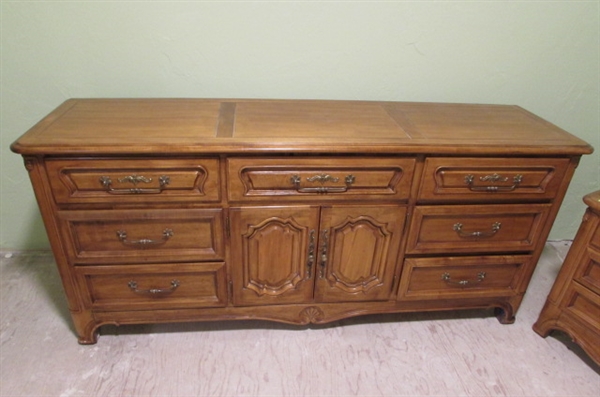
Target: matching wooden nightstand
[{"x": 573, "y": 305}]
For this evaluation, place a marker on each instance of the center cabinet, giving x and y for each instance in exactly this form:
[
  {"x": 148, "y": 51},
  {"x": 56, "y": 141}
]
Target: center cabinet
[
  {"x": 299, "y": 254},
  {"x": 294, "y": 253}
]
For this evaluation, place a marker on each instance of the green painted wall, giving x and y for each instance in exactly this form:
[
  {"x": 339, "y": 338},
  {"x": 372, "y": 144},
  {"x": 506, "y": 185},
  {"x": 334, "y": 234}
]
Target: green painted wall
[{"x": 542, "y": 55}]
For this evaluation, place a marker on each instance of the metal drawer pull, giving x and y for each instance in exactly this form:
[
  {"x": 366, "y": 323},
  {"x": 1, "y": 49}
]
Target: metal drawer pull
[
  {"x": 458, "y": 229},
  {"x": 462, "y": 283},
  {"x": 324, "y": 247},
  {"x": 163, "y": 181},
  {"x": 311, "y": 254},
  {"x": 517, "y": 179},
  {"x": 322, "y": 178},
  {"x": 122, "y": 235},
  {"x": 133, "y": 285}
]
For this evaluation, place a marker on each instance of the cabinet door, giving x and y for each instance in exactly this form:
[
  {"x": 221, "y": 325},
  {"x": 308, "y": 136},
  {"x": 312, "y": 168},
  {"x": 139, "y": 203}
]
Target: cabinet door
[
  {"x": 272, "y": 254},
  {"x": 358, "y": 252}
]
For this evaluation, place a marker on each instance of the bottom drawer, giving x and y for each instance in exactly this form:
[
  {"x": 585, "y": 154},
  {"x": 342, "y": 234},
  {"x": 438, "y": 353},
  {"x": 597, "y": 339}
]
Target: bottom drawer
[
  {"x": 463, "y": 277},
  {"x": 160, "y": 286},
  {"x": 584, "y": 304}
]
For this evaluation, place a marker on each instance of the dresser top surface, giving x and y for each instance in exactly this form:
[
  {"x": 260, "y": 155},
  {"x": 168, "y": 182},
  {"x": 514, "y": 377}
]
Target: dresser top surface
[{"x": 180, "y": 126}]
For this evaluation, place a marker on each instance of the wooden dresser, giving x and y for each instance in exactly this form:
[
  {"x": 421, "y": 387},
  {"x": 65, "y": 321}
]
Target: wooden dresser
[
  {"x": 164, "y": 210},
  {"x": 573, "y": 305}
]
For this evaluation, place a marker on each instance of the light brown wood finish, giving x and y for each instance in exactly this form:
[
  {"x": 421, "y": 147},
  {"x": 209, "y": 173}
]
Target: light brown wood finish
[
  {"x": 573, "y": 305},
  {"x": 294, "y": 211}
]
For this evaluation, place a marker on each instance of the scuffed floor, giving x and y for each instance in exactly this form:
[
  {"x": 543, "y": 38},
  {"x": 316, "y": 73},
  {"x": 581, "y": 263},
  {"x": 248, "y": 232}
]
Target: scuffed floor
[{"x": 424, "y": 354}]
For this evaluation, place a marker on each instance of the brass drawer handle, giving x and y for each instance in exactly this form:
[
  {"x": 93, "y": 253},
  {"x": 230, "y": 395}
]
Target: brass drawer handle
[
  {"x": 446, "y": 277},
  {"x": 517, "y": 179},
  {"x": 311, "y": 254},
  {"x": 324, "y": 248},
  {"x": 122, "y": 235},
  {"x": 163, "y": 181},
  {"x": 495, "y": 227},
  {"x": 322, "y": 178},
  {"x": 133, "y": 285}
]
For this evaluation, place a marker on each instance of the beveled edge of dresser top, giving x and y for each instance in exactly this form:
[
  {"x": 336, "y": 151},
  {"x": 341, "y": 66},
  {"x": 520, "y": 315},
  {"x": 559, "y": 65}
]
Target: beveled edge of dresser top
[{"x": 236, "y": 126}]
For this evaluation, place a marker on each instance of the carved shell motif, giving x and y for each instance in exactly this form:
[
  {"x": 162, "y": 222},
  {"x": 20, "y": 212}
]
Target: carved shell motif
[{"x": 311, "y": 314}]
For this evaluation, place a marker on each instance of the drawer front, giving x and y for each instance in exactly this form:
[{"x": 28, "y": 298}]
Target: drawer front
[
  {"x": 127, "y": 181},
  {"x": 463, "y": 277},
  {"x": 333, "y": 178},
  {"x": 498, "y": 178},
  {"x": 122, "y": 236},
  {"x": 167, "y": 286},
  {"x": 473, "y": 228},
  {"x": 588, "y": 272},
  {"x": 584, "y": 305}
]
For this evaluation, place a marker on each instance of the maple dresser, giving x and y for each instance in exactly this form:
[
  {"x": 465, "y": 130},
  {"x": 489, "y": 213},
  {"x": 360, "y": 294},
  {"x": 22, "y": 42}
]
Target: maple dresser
[
  {"x": 164, "y": 210},
  {"x": 573, "y": 305}
]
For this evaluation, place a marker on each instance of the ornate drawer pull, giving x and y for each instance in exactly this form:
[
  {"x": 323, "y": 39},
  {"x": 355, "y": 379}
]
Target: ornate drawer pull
[
  {"x": 324, "y": 247},
  {"x": 133, "y": 285},
  {"x": 311, "y": 254},
  {"x": 322, "y": 178},
  {"x": 458, "y": 229},
  {"x": 163, "y": 180},
  {"x": 446, "y": 277},
  {"x": 517, "y": 179},
  {"x": 122, "y": 235}
]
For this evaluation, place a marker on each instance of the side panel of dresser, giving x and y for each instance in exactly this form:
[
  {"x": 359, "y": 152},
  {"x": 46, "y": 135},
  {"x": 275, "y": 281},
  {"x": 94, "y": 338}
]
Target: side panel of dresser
[
  {"x": 83, "y": 319},
  {"x": 573, "y": 305}
]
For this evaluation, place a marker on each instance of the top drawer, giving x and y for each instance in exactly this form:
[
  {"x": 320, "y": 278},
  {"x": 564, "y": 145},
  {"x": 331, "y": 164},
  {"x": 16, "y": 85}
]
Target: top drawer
[
  {"x": 130, "y": 181},
  {"x": 303, "y": 178},
  {"x": 483, "y": 178}
]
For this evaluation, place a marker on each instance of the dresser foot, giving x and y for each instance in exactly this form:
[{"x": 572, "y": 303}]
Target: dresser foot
[
  {"x": 88, "y": 339},
  {"x": 546, "y": 321},
  {"x": 86, "y": 327},
  {"x": 505, "y": 315}
]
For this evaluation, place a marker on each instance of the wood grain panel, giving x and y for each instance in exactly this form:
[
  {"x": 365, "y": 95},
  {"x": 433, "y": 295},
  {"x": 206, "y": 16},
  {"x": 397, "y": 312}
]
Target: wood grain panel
[
  {"x": 469, "y": 229},
  {"x": 154, "y": 286},
  {"x": 468, "y": 179},
  {"x": 120, "y": 181},
  {"x": 361, "y": 251},
  {"x": 121, "y": 236},
  {"x": 252, "y": 179},
  {"x": 270, "y": 248},
  {"x": 463, "y": 277}
]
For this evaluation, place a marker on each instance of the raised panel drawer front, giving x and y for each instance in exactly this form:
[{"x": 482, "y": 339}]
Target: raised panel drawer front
[
  {"x": 167, "y": 286},
  {"x": 475, "y": 228},
  {"x": 491, "y": 178},
  {"x": 583, "y": 304},
  {"x": 330, "y": 178},
  {"x": 588, "y": 272},
  {"x": 122, "y": 236},
  {"x": 463, "y": 277},
  {"x": 126, "y": 180}
]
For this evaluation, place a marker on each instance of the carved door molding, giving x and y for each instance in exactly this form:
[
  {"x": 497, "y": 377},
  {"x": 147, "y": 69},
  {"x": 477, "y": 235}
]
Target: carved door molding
[
  {"x": 286, "y": 255},
  {"x": 361, "y": 254},
  {"x": 270, "y": 254}
]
